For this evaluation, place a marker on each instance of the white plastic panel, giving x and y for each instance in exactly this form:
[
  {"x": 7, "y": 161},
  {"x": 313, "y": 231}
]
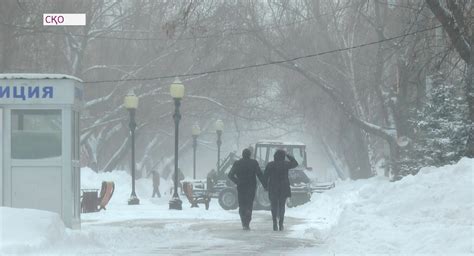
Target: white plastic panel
[
  {"x": 38, "y": 188},
  {"x": 2, "y": 167}
]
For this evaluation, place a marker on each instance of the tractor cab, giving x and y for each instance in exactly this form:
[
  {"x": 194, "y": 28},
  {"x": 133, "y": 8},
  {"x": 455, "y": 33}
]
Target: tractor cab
[{"x": 264, "y": 151}]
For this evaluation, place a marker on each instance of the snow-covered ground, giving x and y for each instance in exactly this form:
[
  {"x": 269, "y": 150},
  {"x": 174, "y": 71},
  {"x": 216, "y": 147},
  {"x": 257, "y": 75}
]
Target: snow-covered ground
[{"x": 430, "y": 213}]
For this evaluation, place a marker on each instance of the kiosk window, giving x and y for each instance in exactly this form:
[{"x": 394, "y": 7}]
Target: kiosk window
[{"x": 36, "y": 134}]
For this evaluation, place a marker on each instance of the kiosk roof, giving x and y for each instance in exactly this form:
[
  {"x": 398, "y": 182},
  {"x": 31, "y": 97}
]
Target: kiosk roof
[{"x": 37, "y": 76}]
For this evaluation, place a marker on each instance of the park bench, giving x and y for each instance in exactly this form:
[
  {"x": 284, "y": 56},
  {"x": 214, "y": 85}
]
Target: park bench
[
  {"x": 197, "y": 193},
  {"x": 92, "y": 202}
]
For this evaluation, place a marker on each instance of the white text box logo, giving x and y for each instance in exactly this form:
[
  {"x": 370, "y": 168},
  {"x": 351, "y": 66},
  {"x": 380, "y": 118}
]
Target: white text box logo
[{"x": 64, "y": 19}]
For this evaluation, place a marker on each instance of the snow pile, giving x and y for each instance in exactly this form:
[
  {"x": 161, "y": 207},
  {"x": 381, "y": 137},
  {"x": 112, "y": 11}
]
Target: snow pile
[
  {"x": 123, "y": 185},
  {"x": 431, "y": 212},
  {"x": 38, "y": 228},
  {"x": 149, "y": 208},
  {"x": 38, "y": 232}
]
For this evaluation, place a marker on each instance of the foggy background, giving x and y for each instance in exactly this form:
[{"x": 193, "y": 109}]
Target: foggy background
[{"x": 359, "y": 82}]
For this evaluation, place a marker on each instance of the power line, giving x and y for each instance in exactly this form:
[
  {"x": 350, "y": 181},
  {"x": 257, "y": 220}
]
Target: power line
[{"x": 265, "y": 63}]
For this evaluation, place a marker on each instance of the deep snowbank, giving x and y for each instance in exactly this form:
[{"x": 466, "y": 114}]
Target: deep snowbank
[
  {"x": 431, "y": 212},
  {"x": 27, "y": 229},
  {"x": 30, "y": 231}
]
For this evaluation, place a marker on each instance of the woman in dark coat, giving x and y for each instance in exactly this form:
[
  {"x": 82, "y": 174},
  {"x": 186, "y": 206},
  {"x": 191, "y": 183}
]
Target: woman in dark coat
[{"x": 278, "y": 184}]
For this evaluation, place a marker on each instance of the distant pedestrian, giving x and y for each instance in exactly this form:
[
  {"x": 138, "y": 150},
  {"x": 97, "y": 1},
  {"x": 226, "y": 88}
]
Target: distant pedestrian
[
  {"x": 156, "y": 184},
  {"x": 276, "y": 178},
  {"x": 244, "y": 173}
]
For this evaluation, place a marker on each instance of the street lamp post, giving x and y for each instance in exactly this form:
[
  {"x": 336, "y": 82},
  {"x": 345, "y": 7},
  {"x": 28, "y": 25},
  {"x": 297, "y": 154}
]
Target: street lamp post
[
  {"x": 196, "y": 131},
  {"x": 219, "y": 127},
  {"x": 131, "y": 103},
  {"x": 177, "y": 92}
]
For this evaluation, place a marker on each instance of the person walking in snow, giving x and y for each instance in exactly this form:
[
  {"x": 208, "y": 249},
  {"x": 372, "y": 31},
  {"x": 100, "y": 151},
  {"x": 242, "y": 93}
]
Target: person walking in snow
[
  {"x": 243, "y": 174},
  {"x": 156, "y": 184},
  {"x": 278, "y": 183}
]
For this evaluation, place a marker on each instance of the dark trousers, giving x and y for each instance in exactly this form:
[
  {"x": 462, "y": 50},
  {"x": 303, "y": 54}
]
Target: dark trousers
[
  {"x": 278, "y": 208},
  {"x": 246, "y": 196},
  {"x": 156, "y": 191}
]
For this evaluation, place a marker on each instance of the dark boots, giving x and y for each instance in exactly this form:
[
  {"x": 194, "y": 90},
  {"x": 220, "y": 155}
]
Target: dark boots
[
  {"x": 246, "y": 222},
  {"x": 279, "y": 226}
]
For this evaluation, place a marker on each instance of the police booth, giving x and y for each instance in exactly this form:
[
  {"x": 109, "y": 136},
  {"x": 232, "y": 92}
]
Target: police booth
[{"x": 39, "y": 143}]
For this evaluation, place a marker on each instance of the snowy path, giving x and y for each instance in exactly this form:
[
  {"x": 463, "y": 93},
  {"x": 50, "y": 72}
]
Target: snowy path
[{"x": 206, "y": 237}]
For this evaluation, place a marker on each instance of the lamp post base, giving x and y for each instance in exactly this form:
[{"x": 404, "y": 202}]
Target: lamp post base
[
  {"x": 133, "y": 200},
  {"x": 176, "y": 204}
]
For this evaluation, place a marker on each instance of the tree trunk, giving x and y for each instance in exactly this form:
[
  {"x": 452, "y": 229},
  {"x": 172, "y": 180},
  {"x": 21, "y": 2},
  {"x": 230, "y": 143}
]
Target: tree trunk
[
  {"x": 470, "y": 100},
  {"x": 401, "y": 106},
  {"x": 394, "y": 159},
  {"x": 6, "y": 37}
]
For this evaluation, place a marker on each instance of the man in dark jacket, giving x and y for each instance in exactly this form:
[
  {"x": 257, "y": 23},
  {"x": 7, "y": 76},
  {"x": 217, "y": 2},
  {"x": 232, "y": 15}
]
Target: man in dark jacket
[
  {"x": 276, "y": 176},
  {"x": 244, "y": 173}
]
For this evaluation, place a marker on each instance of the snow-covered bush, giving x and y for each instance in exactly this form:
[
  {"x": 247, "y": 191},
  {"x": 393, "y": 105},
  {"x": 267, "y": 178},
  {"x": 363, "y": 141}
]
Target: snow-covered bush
[{"x": 440, "y": 128}]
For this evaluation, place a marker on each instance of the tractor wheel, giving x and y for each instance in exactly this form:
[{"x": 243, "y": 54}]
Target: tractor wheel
[
  {"x": 228, "y": 199},
  {"x": 298, "y": 199}
]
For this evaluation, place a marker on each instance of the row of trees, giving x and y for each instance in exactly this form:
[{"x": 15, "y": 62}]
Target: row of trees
[{"x": 368, "y": 80}]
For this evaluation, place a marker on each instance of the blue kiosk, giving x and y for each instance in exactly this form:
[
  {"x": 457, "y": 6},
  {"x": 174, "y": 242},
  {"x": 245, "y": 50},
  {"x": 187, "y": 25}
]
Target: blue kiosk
[{"x": 39, "y": 143}]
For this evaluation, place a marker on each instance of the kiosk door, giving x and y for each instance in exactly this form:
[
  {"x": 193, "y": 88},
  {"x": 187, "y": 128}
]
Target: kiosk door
[{"x": 36, "y": 170}]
